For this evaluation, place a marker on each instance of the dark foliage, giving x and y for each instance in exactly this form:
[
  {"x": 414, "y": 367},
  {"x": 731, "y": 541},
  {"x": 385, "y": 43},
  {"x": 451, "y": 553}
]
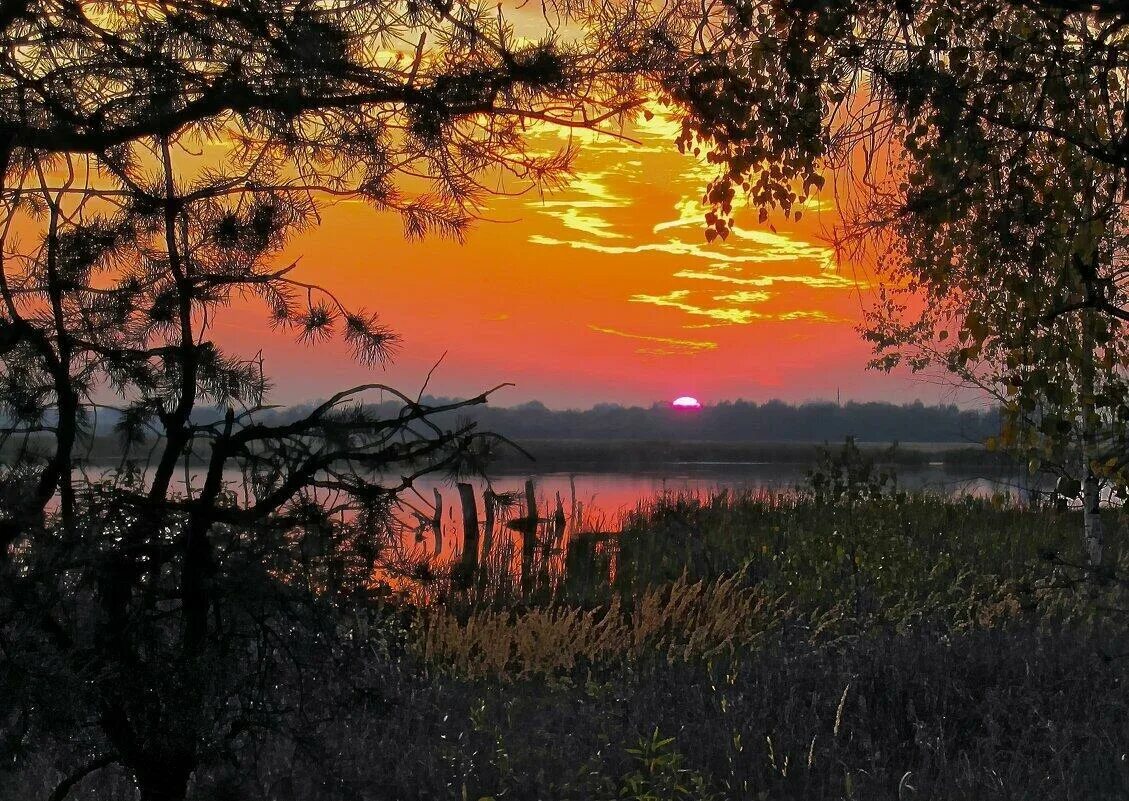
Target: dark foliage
[{"x": 1011, "y": 713}]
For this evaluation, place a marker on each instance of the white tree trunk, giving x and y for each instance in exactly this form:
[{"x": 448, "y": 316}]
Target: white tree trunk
[{"x": 1092, "y": 534}]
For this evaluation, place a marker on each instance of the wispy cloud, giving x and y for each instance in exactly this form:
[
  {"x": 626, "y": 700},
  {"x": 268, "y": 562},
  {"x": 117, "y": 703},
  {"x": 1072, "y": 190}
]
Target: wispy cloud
[
  {"x": 691, "y": 210},
  {"x": 743, "y": 297},
  {"x": 675, "y": 247},
  {"x": 812, "y": 315},
  {"x": 678, "y": 300},
  {"x": 581, "y": 214},
  {"x": 820, "y": 281},
  {"x": 683, "y": 346},
  {"x": 778, "y": 243},
  {"x": 595, "y": 186},
  {"x": 591, "y": 224}
]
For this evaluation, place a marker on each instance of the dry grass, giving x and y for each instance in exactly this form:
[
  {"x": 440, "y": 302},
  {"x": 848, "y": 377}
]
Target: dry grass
[{"x": 680, "y": 621}]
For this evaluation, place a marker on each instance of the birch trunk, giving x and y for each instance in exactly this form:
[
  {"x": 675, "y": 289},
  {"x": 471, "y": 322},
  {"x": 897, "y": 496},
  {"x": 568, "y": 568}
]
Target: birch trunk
[{"x": 1092, "y": 534}]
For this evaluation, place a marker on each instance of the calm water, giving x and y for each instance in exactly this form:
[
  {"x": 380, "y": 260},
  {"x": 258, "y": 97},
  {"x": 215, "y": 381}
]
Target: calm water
[
  {"x": 607, "y": 495},
  {"x": 597, "y": 501}
]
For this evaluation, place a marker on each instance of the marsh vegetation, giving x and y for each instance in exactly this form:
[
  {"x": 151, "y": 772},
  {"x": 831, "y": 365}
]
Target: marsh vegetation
[
  {"x": 165, "y": 641},
  {"x": 844, "y": 640}
]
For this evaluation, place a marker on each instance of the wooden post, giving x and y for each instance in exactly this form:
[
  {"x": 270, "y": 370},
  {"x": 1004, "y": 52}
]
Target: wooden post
[
  {"x": 468, "y": 561},
  {"x": 528, "y": 538},
  {"x": 530, "y": 500},
  {"x": 437, "y": 522},
  {"x": 574, "y": 520},
  {"x": 559, "y": 521}
]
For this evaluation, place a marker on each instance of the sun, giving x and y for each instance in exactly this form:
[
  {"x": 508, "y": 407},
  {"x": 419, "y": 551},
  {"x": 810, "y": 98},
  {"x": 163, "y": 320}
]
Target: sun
[{"x": 686, "y": 402}]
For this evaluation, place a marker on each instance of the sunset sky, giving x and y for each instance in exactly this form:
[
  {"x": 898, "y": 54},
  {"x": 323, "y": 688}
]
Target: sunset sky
[{"x": 602, "y": 292}]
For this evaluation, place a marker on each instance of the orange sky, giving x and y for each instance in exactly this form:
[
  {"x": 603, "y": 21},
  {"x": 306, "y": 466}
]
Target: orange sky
[{"x": 604, "y": 291}]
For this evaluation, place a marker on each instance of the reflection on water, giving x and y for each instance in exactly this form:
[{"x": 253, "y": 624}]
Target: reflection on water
[
  {"x": 605, "y": 497},
  {"x": 578, "y": 517},
  {"x": 602, "y": 498},
  {"x": 584, "y": 510}
]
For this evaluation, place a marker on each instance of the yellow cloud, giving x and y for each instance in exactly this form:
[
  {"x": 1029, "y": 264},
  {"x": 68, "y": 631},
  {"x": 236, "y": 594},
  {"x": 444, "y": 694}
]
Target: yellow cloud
[
  {"x": 821, "y": 281},
  {"x": 813, "y": 315},
  {"x": 687, "y": 345},
  {"x": 744, "y": 297},
  {"x": 594, "y": 186},
  {"x": 677, "y": 300},
  {"x": 690, "y": 212},
  {"x": 672, "y": 247},
  {"x": 585, "y": 223}
]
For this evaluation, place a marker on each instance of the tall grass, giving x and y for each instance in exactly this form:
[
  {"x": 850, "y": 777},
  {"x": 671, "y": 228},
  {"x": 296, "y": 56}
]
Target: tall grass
[
  {"x": 683, "y": 620},
  {"x": 789, "y": 646},
  {"x": 894, "y": 562},
  {"x": 869, "y": 645}
]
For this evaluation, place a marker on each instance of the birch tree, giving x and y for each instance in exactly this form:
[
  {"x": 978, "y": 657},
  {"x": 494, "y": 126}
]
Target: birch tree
[{"x": 977, "y": 153}]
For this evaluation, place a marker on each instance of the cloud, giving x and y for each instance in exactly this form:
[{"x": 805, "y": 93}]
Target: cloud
[
  {"x": 690, "y": 212},
  {"x": 728, "y": 315},
  {"x": 681, "y": 346},
  {"x": 594, "y": 186},
  {"x": 595, "y": 196},
  {"x": 744, "y": 297},
  {"x": 677, "y": 300},
  {"x": 812, "y": 315},
  {"x": 585, "y": 223},
  {"x": 671, "y": 247},
  {"x": 821, "y": 281}
]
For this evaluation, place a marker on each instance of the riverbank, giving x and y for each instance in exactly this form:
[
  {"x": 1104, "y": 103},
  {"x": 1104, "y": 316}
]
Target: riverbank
[
  {"x": 810, "y": 645},
  {"x": 791, "y": 646},
  {"x": 563, "y": 455},
  {"x": 633, "y": 455}
]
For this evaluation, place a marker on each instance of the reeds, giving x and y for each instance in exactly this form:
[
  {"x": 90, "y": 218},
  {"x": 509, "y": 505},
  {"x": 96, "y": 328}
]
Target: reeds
[{"x": 684, "y": 620}]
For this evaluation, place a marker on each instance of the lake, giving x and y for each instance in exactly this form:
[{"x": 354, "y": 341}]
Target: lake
[
  {"x": 596, "y": 502},
  {"x": 607, "y": 495}
]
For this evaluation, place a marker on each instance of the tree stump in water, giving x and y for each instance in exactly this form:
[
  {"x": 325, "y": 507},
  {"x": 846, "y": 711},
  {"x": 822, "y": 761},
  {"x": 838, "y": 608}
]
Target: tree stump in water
[
  {"x": 468, "y": 559},
  {"x": 529, "y": 539},
  {"x": 558, "y": 521}
]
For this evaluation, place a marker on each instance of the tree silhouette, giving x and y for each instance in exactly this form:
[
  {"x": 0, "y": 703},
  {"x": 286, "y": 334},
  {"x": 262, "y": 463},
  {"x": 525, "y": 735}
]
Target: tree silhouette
[
  {"x": 1003, "y": 208},
  {"x": 155, "y": 160},
  {"x": 979, "y": 151}
]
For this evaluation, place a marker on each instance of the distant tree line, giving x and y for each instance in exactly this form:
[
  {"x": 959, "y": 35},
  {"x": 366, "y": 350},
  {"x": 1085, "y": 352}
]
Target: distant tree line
[{"x": 736, "y": 421}]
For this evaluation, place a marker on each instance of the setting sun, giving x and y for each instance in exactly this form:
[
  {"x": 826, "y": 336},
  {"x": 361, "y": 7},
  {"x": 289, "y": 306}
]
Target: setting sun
[{"x": 686, "y": 402}]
